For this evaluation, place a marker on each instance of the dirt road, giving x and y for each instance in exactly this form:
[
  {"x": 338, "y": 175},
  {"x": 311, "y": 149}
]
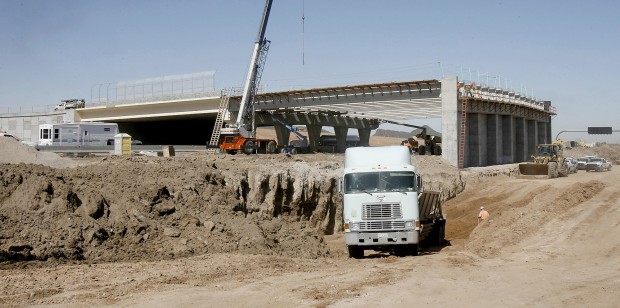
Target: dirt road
[{"x": 548, "y": 243}]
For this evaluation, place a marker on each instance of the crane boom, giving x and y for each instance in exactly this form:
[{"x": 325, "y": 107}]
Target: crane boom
[
  {"x": 254, "y": 71},
  {"x": 241, "y": 136}
]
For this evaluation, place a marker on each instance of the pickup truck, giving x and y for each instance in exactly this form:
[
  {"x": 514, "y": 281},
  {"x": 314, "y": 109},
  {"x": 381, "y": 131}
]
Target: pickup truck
[
  {"x": 583, "y": 161},
  {"x": 598, "y": 164}
]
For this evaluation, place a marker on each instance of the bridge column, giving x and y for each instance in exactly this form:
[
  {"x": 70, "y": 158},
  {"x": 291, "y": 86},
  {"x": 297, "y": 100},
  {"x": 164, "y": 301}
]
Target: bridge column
[
  {"x": 451, "y": 123},
  {"x": 542, "y": 132},
  {"x": 314, "y": 135},
  {"x": 508, "y": 137},
  {"x": 477, "y": 139},
  {"x": 549, "y": 137},
  {"x": 341, "y": 138},
  {"x": 282, "y": 133},
  {"x": 532, "y": 133},
  {"x": 521, "y": 140},
  {"x": 495, "y": 139},
  {"x": 364, "y": 134}
]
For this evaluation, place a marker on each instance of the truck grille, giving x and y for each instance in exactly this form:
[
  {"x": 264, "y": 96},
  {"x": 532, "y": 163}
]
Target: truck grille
[
  {"x": 381, "y": 211},
  {"x": 382, "y": 225}
]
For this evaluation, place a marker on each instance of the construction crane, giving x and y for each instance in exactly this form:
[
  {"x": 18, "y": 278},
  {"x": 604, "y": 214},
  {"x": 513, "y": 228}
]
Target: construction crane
[
  {"x": 296, "y": 146},
  {"x": 241, "y": 136}
]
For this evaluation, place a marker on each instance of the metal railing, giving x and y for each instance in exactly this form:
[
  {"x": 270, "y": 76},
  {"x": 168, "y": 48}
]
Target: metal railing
[
  {"x": 504, "y": 96},
  {"x": 154, "y": 89}
]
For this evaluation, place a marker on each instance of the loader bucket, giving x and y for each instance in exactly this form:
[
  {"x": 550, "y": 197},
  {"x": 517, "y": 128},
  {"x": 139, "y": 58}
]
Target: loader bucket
[{"x": 534, "y": 169}]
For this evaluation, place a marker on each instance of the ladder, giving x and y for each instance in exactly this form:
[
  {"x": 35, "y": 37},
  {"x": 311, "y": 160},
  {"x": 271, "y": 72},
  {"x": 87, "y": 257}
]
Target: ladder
[
  {"x": 463, "y": 133},
  {"x": 219, "y": 121}
]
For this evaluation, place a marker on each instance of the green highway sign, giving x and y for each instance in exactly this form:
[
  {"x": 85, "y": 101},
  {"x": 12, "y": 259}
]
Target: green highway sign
[{"x": 599, "y": 130}]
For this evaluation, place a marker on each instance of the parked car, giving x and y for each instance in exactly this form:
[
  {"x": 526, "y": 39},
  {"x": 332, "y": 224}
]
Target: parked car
[
  {"x": 572, "y": 164},
  {"x": 583, "y": 161},
  {"x": 598, "y": 164}
]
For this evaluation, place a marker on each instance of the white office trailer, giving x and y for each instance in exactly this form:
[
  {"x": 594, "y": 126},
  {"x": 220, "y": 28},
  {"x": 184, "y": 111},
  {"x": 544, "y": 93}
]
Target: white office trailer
[{"x": 77, "y": 134}]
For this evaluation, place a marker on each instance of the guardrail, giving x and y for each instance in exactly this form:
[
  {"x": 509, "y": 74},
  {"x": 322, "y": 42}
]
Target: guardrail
[{"x": 503, "y": 96}]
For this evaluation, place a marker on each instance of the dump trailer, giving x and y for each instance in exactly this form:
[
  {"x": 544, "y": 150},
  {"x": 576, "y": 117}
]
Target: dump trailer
[
  {"x": 549, "y": 161},
  {"x": 385, "y": 208}
]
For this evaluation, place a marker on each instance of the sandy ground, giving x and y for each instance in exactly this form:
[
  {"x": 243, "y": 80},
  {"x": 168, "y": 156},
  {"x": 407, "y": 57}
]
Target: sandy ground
[{"x": 548, "y": 243}]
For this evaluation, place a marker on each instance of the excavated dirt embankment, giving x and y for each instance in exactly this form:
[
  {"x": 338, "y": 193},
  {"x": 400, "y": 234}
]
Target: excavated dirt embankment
[{"x": 117, "y": 209}]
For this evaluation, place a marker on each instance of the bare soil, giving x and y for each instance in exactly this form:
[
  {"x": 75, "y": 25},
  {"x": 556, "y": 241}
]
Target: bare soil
[{"x": 265, "y": 230}]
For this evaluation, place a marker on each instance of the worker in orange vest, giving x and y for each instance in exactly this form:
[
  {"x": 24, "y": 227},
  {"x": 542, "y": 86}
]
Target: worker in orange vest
[{"x": 483, "y": 215}]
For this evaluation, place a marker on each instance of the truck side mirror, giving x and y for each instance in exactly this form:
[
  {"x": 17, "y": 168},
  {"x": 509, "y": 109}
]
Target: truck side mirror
[{"x": 340, "y": 186}]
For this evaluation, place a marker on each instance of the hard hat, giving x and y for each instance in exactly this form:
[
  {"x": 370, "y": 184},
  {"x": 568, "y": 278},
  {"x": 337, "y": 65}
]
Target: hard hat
[{"x": 482, "y": 207}]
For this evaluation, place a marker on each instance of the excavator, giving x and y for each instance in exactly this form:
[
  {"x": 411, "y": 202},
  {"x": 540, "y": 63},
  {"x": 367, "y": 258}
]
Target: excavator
[{"x": 241, "y": 136}]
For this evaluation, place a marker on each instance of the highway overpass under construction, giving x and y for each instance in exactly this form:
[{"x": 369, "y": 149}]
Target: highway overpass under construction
[{"x": 480, "y": 125}]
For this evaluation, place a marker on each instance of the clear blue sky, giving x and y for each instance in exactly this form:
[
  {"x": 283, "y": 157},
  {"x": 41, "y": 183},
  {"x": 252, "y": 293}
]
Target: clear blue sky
[{"x": 565, "y": 51}]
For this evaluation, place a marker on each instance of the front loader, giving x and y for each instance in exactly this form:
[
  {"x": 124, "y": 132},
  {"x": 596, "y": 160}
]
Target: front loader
[{"x": 549, "y": 160}]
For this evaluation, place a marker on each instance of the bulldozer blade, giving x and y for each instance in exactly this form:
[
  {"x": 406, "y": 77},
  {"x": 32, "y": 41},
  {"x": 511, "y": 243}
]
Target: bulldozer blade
[{"x": 534, "y": 169}]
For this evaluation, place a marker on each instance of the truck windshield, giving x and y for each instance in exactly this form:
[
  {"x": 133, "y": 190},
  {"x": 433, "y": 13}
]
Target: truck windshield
[{"x": 372, "y": 182}]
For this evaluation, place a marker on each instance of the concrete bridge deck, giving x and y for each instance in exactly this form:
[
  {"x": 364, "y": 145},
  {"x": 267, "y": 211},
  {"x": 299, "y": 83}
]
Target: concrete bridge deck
[{"x": 471, "y": 130}]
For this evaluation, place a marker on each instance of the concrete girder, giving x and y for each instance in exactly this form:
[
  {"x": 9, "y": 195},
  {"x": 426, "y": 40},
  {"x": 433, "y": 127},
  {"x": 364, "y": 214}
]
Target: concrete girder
[{"x": 318, "y": 119}]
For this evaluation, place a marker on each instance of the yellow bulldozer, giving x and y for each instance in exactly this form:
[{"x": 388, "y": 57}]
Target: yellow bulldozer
[{"x": 549, "y": 160}]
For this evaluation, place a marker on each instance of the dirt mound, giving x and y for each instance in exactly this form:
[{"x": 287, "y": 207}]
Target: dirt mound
[
  {"x": 519, "y": 208},
  {"x": 14, "y": 152},
  {"x": 127, "y": 209},
  {"x": 119, "y": 209}
]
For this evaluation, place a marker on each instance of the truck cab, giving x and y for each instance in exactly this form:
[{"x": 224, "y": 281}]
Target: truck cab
[{"x": 381, "y": 192}]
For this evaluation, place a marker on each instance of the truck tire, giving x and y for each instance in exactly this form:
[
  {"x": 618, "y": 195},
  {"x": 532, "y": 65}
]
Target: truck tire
[
  {"x": 552, "y": 170},
  {"x": 437, "y": 150},
  {"x": 249, "y": 147},
  {"x": 441, "y": 233},
  {"x": 422, "y": 150},
  {"x": 355, "y": 252},
  {"x": 412, "y": 249},
  {"x": 563, "y": 172},
  {"x": 271, "y": 147}
]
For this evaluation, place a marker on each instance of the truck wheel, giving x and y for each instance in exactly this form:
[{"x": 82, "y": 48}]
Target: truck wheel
[
  {"x": 441, "y": 233},
  {"x": 249, "y": 147},
  {"x": 421, "y": 150},
  {"x": 271, "y": 147},
  {"x": 355, "y": 252},
  {"x": 413, "y": 249},
  {"x": 437, "y": 150},
  {"x": 552, "y": 170},
  {"x": 563, "y": 172}
]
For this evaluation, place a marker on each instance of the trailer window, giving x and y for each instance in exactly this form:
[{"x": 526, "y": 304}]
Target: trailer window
[
  {"x": 371, "y": 182},
  {"x": 56, "y": 133},
  {"x": 106, "y": 129},
  {"x": 45, "y": 133}
]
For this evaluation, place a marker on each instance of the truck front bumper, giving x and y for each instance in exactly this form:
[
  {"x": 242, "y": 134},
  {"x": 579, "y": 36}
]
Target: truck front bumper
[{"x": 382, "y": 238}]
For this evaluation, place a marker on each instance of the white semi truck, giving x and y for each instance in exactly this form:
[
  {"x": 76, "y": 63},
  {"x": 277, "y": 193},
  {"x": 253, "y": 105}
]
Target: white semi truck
[{"x": 385, "y": 208}]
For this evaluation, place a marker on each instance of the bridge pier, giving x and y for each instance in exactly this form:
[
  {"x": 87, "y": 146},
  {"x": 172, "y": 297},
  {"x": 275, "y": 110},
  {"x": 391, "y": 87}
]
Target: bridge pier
[
  {"x": 314, "y": 135},
  {"x": 341, "y": 138},
  {"x": 508, "y": 137},
  {"x": 521, "y": 140},
  {"x": 495, "y": 139},
  {"x": 364, "y": 134},
  {"x": 283, "y": 135}
]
